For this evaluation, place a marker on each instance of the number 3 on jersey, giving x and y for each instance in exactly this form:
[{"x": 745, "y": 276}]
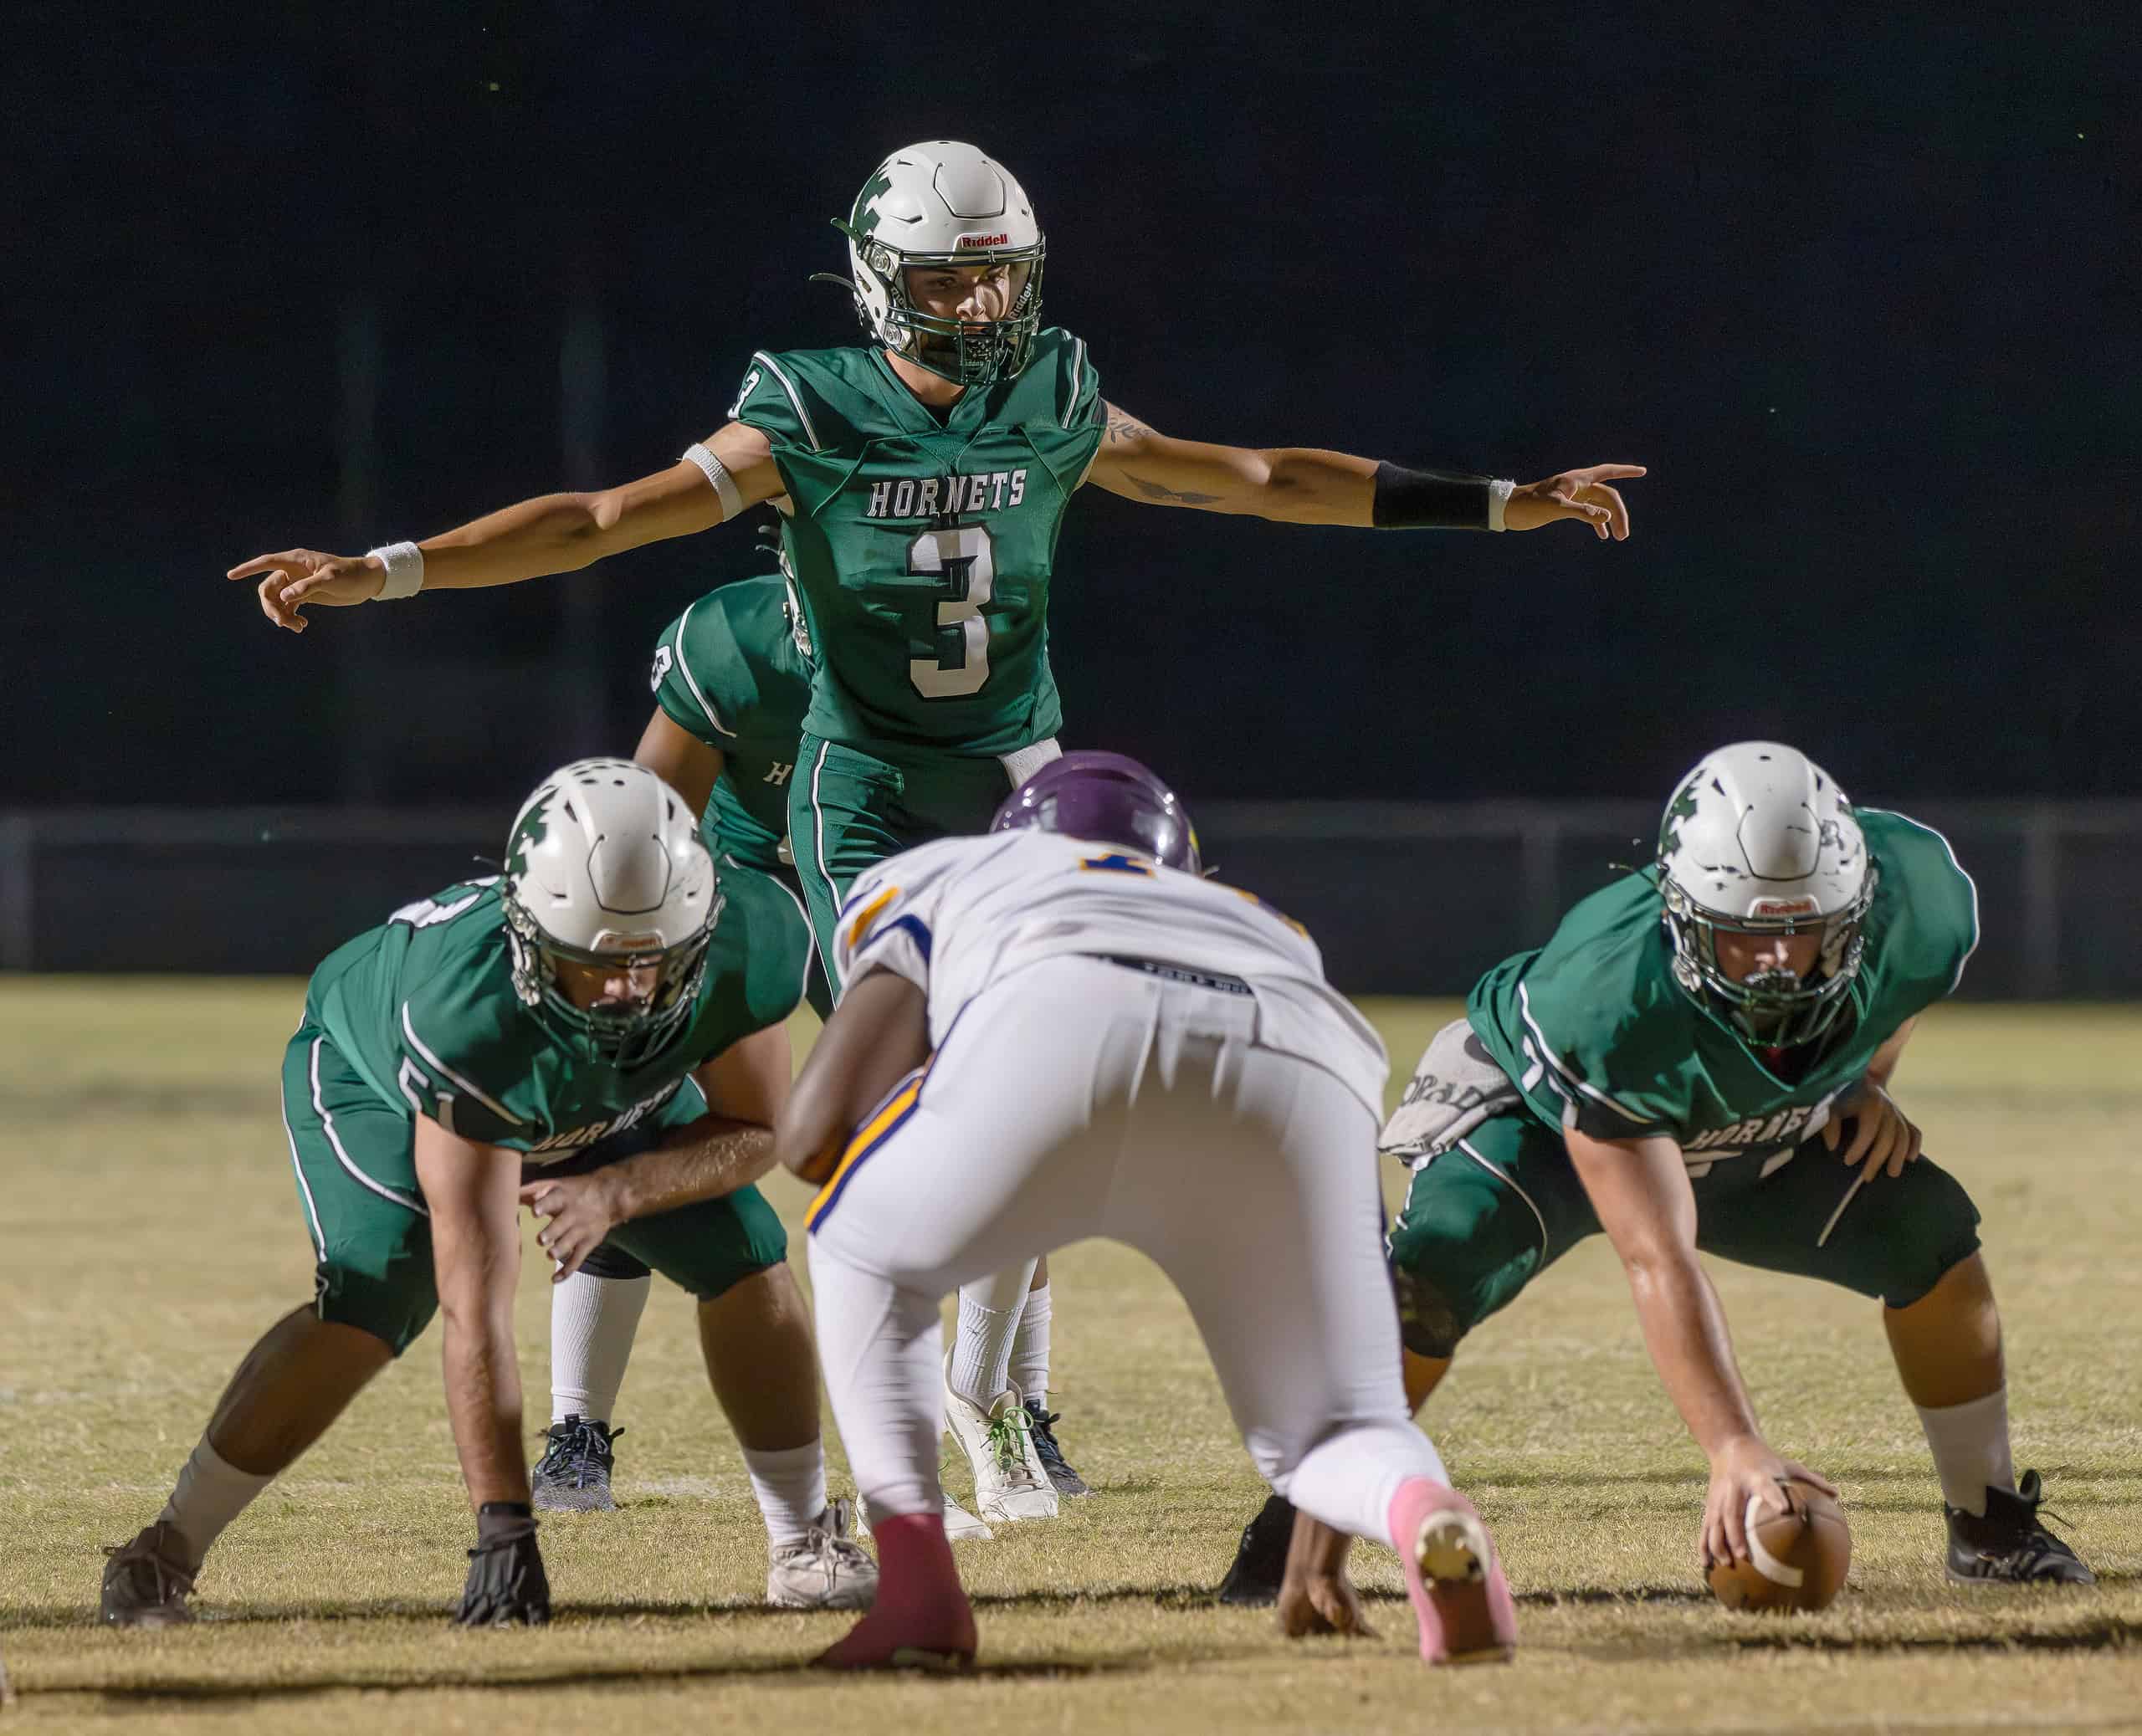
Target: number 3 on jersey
[{"x": 960, "y": 555}]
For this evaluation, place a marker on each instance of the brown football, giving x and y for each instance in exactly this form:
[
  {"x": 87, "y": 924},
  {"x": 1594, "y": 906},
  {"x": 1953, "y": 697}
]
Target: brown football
[{"x": 1800, "y": 1559}]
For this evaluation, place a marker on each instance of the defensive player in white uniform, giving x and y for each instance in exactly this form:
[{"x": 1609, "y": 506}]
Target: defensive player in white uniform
[{"x": 1082, "y": 1037}]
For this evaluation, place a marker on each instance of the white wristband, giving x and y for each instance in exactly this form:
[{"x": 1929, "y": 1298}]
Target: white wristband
[
  {"x": 1499, "y": 493},
  {"x": 717, "y": 472},
  {"x": 404, "y": 562}
]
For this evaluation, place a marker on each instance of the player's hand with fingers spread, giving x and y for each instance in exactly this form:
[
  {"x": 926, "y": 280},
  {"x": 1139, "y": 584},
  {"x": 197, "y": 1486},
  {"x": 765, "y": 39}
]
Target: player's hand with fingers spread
[
  {"x": 295, "y": 577},
  {"x": 1746, "y": 1470},
  {"x": 1585, "y": 495},
  {"x": 582, "y": 1209},
  {"x": 1882, "y": 1133}
]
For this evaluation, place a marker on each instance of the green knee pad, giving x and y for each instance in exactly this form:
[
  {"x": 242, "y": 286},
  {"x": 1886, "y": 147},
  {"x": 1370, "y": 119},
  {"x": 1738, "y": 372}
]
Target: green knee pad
[
  {"x": 711, "y": 1246},
  {"x": 1464, "y": 1245},
  {"x": 1893, "y": 1237},
  {"x": 383, "y": 1285}
]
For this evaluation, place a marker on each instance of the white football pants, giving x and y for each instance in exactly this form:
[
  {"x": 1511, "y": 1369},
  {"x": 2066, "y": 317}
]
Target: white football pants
[{"x": 1079, "y": 1098}]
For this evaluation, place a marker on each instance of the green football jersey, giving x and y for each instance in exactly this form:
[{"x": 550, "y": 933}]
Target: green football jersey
[
  {"x": 728, "y": 671},
  {"x": 423, "y": 1007},
  {"x": 1598, "y": 1036},
  {"x": 920, "y": 545}
]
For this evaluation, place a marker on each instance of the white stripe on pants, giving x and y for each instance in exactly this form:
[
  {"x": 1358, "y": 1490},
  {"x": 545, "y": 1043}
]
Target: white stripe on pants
[{"x": 1079, "y": 1098}]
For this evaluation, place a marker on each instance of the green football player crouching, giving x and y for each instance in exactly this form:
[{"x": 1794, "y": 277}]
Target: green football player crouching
[
  {"x": 606, "y": 983},
  {"x": 1699, "y": 1061}
]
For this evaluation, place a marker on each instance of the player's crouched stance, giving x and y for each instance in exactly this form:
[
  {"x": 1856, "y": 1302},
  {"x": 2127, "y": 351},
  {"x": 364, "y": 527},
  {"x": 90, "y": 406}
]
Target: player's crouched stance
[
  {"x": 597, "y": 986},
  {"x": 1114, "y": 1039},
  {"x": 1699, "y": 1061}
]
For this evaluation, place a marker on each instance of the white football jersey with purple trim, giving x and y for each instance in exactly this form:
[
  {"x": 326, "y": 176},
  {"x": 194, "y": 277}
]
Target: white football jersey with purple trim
[{"x": 960, "y": 916}]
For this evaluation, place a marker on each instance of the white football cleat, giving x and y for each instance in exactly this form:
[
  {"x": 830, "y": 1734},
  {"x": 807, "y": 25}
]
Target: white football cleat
[
  {"x": 1009, "y": 1482},
  {"x": 828, "y": 1570},
  {"x": 960, "y": 1526}
]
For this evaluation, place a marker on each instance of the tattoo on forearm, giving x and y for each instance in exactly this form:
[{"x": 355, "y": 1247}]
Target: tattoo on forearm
[{"x": 1154, "y": 491}]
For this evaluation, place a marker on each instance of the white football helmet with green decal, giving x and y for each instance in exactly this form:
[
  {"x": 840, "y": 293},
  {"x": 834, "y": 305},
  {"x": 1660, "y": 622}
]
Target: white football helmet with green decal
[
  {"x": 1760, "y": 841},
  {"x": 604, "y": 867},
  {"x": 944, "y": 203}
]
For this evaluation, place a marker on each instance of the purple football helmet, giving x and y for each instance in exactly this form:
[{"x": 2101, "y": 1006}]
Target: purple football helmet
[{"x": 1109, "y": 797}]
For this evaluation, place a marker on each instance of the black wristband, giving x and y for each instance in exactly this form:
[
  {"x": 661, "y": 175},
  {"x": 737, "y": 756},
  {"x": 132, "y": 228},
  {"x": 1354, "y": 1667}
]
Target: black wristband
[
  {"x": 1428, "y": 500},
  {"x": 497, "y": 1519}
]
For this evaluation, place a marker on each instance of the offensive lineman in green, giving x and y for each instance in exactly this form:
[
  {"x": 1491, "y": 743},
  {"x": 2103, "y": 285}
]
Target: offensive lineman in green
[
  {"x": 729, "y": 670},
  {"x": 605, "y": 981},
  {"x": 921, "y": 479},
  {"x": 1682, "y": 1066}
]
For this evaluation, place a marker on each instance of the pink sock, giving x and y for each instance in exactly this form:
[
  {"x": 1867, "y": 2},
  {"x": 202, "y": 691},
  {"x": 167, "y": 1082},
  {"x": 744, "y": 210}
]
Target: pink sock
[{"x": 921, "y": 1608}]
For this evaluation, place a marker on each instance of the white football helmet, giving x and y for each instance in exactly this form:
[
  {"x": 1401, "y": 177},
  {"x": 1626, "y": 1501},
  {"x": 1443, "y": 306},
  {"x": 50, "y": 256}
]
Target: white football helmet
[
  {"x": 944, "y": 203},
  {"x": 604, "y": 866},
  {"x": 1761, "y": 841}
]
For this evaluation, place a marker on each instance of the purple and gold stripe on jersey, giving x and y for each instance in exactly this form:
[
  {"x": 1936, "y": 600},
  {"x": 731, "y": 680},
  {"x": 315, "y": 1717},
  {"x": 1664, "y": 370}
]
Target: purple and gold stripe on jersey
[{"x": 878, "y": 1126}]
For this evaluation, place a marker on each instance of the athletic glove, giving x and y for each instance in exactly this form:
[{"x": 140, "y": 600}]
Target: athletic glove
[{"x": 506, "y": 1582}]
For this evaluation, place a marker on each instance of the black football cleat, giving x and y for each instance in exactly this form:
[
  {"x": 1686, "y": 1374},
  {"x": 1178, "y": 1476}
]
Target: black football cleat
[
  {"x": 1260, "y": 1562},
  {"x": 1040, "y": 1429},
  {"x": 2009, "y": 1545},
  {"x": 573, "y": 1475}
]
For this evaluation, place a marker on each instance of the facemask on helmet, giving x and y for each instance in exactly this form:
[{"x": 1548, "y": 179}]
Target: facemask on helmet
[
  {"x": 606, "y": 877},
  {"x": 1760, "y": 843},
  {"x": 1110, "y": 798},
  {"x": 945, "y": 204}
]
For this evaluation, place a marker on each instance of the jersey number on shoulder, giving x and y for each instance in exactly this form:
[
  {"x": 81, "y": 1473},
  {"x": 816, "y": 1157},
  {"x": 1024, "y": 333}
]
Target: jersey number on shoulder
[
  {"x": 959, "y": 555},
  {"x": 426, "y": 913}
]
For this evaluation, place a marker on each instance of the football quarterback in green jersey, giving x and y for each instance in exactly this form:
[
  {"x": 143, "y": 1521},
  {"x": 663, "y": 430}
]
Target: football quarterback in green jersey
[
  {"x": 1700, "y": 1059},
  {"x": 451, "y": 1060},
  {"x": 921, "y": 479}
]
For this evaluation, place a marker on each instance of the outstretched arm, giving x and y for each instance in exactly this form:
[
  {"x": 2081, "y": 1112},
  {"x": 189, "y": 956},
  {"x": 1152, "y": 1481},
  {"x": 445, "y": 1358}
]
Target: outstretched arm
[
  {"x": 549, "y": 534},
  {"x": 1640, "y": 1189},
  {"x": 1307, "y": 485}
]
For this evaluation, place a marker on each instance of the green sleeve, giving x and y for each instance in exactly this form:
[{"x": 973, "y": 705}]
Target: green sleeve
[
  {"x": 1604, "y": 1033},
  {"x": 700, "y": 678},
  {"x": 777, "y": 398},
  {"x": 1078, "y": 386},
  {"x": 1925, "y": 925},
  {"x": 457, "y": 1053}
]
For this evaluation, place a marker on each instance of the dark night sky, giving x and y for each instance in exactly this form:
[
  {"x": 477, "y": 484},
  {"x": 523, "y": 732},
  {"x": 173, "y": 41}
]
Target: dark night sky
[{"x": 1861, "y": 292}]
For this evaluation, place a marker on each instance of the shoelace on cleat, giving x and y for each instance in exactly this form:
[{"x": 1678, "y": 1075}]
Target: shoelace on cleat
[
  {"x": 163, "y": 1575},
  {"x": 1005, "y": 1443},
  {"x": 1041, "y": 1431},
  {"x": 577, "y": 1449}
]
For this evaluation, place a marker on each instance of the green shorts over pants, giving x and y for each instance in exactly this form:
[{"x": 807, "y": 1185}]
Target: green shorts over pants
[
  {"x": 1483, "y": 1218},
  {"x": 356, "y": 1159},
  {"x": 850, "y": 810}
]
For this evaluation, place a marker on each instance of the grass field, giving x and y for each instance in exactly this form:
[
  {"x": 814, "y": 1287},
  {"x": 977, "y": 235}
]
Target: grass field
[{"x": 151, "y": 1230}]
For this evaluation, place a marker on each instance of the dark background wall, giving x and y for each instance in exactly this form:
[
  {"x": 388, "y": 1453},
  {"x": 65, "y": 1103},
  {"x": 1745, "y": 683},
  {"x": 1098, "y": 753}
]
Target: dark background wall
[{"x": 1859, "y": 290}]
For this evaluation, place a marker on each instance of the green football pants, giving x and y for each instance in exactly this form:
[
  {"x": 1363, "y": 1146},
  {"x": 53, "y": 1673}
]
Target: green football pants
[
  {"x": 850, "y": 810},
  {"x": 1481, "y": 1220},
  {"x": 355, "y": 1160}
]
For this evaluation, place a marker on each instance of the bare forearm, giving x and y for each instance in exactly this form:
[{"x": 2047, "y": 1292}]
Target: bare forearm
[
  {"x": 483, "y": 1397},
  {"x": 1685, "y": 1330},
  {"x": 701, "y": 1164},
  {"x": 529, "y": 540}
]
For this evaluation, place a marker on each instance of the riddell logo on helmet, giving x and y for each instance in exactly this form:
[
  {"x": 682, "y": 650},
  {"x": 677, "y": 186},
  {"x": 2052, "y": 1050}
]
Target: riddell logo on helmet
[
  {"x": 1783, "y": 907},
  {"x": 984, "y": 240}
]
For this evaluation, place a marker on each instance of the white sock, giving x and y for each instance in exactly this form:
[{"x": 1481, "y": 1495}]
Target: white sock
[
  {"x": 210, "y": 1494},
  {"x": 1970, "y": 1449},
  {"x": 593, "y": 1321},
  {"x": 791, "y": 1487},
  {"x": 1030, "y": 1346},
  {"x": 981, "y": 1349}
]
